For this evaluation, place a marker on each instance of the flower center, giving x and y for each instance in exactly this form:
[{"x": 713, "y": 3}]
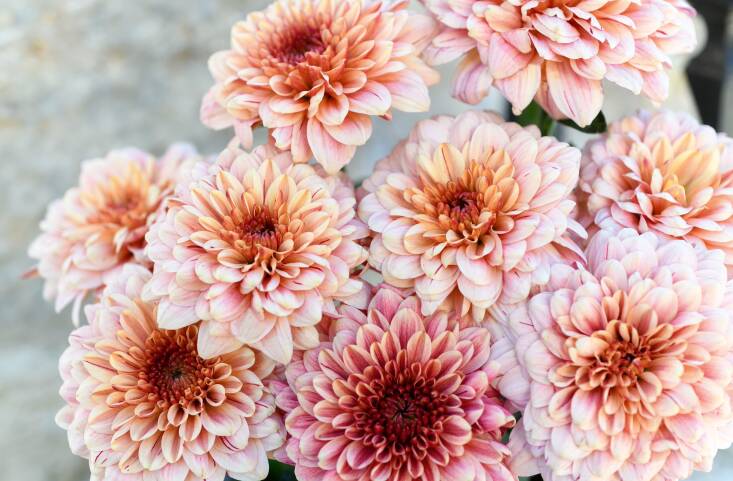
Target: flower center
[
  {"x": 626, "y": 356},
  {"x": 258, "y": 234},
  {"x": 462, "y": 204},
  {"x": 673, "y": 175},
  {"x": 296, "y": 46},
  {"x": 559, "y": 9},
  {"x": 258, "y": 224},
  {"x": 254, "y": 235},
  {"x": 126, "y": 199},
  {"x": 621, "y": 357},
  {"x": 469, "y": 206},
  {"x": 174, "y": 373},
  {"x": 129, "y": 209},
  {"x": 399, "y": 409}
]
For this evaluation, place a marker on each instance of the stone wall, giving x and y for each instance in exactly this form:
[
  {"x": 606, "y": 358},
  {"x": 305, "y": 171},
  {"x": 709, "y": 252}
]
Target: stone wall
[{"x": 78, "y": 77}]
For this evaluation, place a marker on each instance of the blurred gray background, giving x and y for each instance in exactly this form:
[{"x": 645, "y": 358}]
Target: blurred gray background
[{"x": 77, "y": 78}]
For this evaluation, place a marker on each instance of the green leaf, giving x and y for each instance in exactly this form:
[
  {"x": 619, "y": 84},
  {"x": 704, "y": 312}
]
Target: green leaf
[
  {"x": 535, "y": 115},
  {"x": 536, "y": 477},
  {"x": 285, "y": 472},
  {"x": 596, "y": 127},
  {"x": 281, "y": 472}
]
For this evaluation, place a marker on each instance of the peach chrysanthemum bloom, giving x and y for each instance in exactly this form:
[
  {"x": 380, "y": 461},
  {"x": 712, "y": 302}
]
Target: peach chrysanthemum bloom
[
  {"x": 471, "y": 210},
  {"x": 314, "y": 72},
  {"x": 626, "y": 367},
  {"x": 100, "y": 225},
  {"x": 392, "y": 395},
  {"x": 143, "y": 405},
  {"x": 559, "y": 52},
  {"x": 256, "y": 247},
  {"x": 662, "y": 172}
]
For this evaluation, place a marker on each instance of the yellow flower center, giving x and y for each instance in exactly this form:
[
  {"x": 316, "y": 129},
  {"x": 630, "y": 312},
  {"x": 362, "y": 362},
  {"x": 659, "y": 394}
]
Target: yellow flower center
[{"x": 466, "y": 198}]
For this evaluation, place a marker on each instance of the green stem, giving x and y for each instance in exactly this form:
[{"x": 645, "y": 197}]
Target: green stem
[
  {"x": 535, "y": 115},
  {"x": 281, "y": 472},
  {"x": 536, "y": 477},
  {"x": 285, "y": 472}
]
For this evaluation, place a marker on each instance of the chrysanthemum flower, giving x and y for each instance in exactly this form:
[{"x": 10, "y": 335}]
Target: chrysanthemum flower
[
  {"x": 625, "y": 368},
  {"x": 558, "y": 53},
  {"x": 396, "y": 396},
  {"x": 143, "y": 405},
  {"x": 257, "y": 248},
  {"x": 471, "y": 210},
  {"x": 314, "y": 72},
  {"x": 666, "y": 173},
  {"x": 100, "y": 225}
]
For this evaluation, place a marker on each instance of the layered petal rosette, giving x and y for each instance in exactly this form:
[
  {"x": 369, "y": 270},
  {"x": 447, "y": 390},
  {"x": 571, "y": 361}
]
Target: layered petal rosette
[
  {"x": 471, "y": 210},
  {"x": 662, "y": 172},
  {"x": 559, "y": 52},
  {"x": 256, "y": 247},
  {"x": 143, "y": 405},
  {"x": 100, "y": 225},
  {"x": 625, "y": 367},
  {"x": 314, "y": 72},
  {"x": 394, "y": 396}
]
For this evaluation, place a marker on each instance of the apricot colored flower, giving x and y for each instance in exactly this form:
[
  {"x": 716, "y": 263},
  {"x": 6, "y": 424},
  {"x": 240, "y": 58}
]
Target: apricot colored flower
[
  {"x": 100, "y": 225},
  {"x": 257, "y": 248},
  {"x": 395, "y": 396},
  {"x": 314, "y": 72},
  {"x": 471, "y": 210},
  {"x": 625, "y": 367},
  {"x": 559, "y": 52},
  {"x": 143, "y": 405},
  {"x": 663, "y": 172}
]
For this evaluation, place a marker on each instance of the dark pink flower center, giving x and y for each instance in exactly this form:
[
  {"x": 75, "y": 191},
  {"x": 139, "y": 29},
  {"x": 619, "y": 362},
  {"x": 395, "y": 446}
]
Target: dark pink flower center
[
  {"x": 296, "y": 46},
  {"x": 173, "y": 371},
  {"x": 399, "y": 412}
]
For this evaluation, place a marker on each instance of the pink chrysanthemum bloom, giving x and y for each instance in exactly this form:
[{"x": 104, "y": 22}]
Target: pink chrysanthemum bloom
[
  {"x": 395, "y": 396},
  {"x": 666, "y": 173},
  {"x": 471, "y": 210},
  {"x": 100, "y": 225},
  {"x": 258, "y": 248},
  {"x": 315, "y": 71},
  {"x": 559, "y": 52},
  {"x": 626, "y": 367},
  {"x": 143, "y": 405}
]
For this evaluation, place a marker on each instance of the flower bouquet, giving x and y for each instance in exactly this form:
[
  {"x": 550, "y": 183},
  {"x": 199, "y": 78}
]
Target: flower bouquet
[{"x": 490, "y": 303}]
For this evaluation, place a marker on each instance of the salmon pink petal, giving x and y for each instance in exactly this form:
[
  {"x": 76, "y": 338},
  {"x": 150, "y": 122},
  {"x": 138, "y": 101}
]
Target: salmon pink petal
[
  {"x": 100, "y": 225},
  {"x": 520, "y": 88},
  {"x": 634, "y": 179},
  {"x": 409, "y": 92},
  {"x": 473, "y": 80},
  {"x": 192, "y": 417},
  {"x": 629, "y": 43},
  {"x": 373, "y": 99},
  {"x": 585, "y": 415},
  {"x": 437, "y": 229},
  {"x": 504, "y": 60},
  {"x": 353, "y": 130},
  {"x": 296, "y": 67},
  {"x": 578, "y": 98},
  {"x": 246, "y": 275},
  {"x": 331, "y": 153},
  {"x": 336, "y": 431}
]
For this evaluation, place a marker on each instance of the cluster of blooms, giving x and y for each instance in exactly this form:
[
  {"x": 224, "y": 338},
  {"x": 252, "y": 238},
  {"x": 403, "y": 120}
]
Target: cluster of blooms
[{"x": 230, "y": 318}]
